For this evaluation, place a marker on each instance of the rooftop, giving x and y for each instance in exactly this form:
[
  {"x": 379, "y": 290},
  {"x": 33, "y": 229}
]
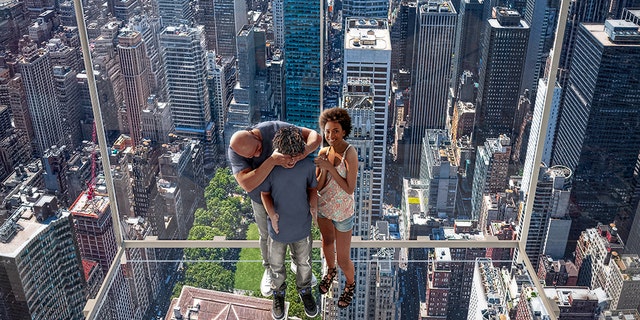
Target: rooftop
[
  {"x": 29, "y": 229},
  {"x": 84, "y": 206},
  {"x": 599, "y": 32},
  {"x": 215, "y": 305},
  {"x": 370, "y": 34}
]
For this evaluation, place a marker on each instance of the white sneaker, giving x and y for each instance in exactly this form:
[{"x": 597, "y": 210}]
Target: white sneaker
[
  {"x": 314, "y": 280},
  {"x": 265, "y": 284}
]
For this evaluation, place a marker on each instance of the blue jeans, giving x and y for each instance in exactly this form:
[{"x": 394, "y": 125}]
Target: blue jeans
[
  {"x": 300, "y": 255},
  {"x": 260, "y": 214}
]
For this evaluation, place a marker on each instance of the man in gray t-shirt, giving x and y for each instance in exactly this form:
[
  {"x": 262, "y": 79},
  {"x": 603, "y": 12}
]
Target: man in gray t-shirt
[
  {"x": 252, "y": 158},
  {"x": 290, "y": 197}
]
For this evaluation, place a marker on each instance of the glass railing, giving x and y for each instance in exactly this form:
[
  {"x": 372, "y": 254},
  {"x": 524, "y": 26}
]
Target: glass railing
[{"x": 395, "y": 282}]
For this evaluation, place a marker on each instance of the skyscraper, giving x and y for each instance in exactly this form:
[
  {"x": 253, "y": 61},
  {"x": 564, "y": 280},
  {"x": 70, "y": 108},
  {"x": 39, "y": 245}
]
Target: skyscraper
[
  {"x": 242, "y": 109},
  {"x": 536, "y": 127},
  {"x": 46, "y": 119},
  {"x": 599, "y": 129},
  {"x": 490, "y": 175},
  {"x": 175, "y": 12},
  {"x": 551, "y": 202},
  {"x": 431, "y": 77},
  {"x": 470, "y": 26},
  {"x": 403, "y": 27},
  {"x": 187, "y": 87},
  {"x": 367, "y": 54},
  {"x": 134, "y": 66},
  {"x": 439, "y": 173},
  {"x": 222, "y": 20},
  {"x": 229, "y": 17},
  {"x": 94, "y": 228},
  {"x": 221, "y": 79},
  {"x": 303, "y": 48},
  {"x": 41, "y": 277},
  {"x": 375, "y": 9},
  {"x": 358, "y": 101},
  {"x": 12, "y": 94},
  {"x": 277, "y": 79},
  {"x": 277, "y": 9},
  {"x": 541, "y": 17},
  {"x": 149, "y": 27},
  {"x": 502, "y": 60},
  {"x": 68, "y": 95},
  {"x": 588, "y": 11}
]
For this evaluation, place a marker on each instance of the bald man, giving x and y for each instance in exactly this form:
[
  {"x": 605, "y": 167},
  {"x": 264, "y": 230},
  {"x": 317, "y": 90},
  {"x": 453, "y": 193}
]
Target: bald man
[{"x": 252, "y": 158}]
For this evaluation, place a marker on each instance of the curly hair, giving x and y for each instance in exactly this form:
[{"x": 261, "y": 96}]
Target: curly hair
[
  {"x": 289, "y": 141},
  {"x": 339, "y": 115}
]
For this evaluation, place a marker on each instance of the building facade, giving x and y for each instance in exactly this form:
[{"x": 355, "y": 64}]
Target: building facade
[
  {"x": 502, "y": 60},
  {"x": 431, "y": 77},
  {"x": 490, "y": 174},
  {"x": 303, "y": 47},
  {"x": 600, "y": 106},
  {"x": 367, "y": 54},
  {"x": 36, "y": 72},
  {"x": 134, "y": 67},
  {"x": 375, "y": 9},
  {"x": 187, "y": 89},
  {"x": 439, "y": 173},
  {"x": 40, "y": 254}
]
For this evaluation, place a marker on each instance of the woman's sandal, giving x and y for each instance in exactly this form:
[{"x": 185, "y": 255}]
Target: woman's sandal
[
  {"x": 347, "y": 295},
  {"x": 327, "y": 280}
]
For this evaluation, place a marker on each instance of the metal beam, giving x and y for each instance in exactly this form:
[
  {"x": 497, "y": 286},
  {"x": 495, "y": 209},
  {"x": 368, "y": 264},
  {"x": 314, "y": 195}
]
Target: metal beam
[{"x": 356, "y": 242}]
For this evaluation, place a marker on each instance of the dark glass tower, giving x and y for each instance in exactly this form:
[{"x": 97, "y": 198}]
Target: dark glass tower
[
  {"x": 431, "y": 76},
  {"x": 470, "y": 26},
  {"x": 303, "y": 54},
  {"x": 502, "y": 60},
  {"x": 599, "y": 129}
]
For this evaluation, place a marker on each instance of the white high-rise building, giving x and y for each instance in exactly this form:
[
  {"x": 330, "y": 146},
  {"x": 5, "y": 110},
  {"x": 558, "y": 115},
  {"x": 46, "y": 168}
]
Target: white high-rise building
[
  {"x": 185, "y": 60},
  {"x": 536, "y": 125},
  {"x": 358, "y": 101},
  {"x": 277, "y": 9},
  {"x": 367, "y": 55},
  {"x": 221, "y": 79},
  {"x": 490, "y": 296},
  {"x": 367, "y": 65},
  {"x": 35, "y": 67}
]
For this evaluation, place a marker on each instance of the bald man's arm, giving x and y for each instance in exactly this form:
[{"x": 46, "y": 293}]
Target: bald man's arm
[
  {"x": 250, "y": 179},
  {"x": 313, "y": 140}
]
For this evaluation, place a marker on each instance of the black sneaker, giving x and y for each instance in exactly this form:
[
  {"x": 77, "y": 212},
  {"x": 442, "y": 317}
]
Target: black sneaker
[
  {"x": 277, "y": 311},
  {"x": 310, "y": 306}
]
